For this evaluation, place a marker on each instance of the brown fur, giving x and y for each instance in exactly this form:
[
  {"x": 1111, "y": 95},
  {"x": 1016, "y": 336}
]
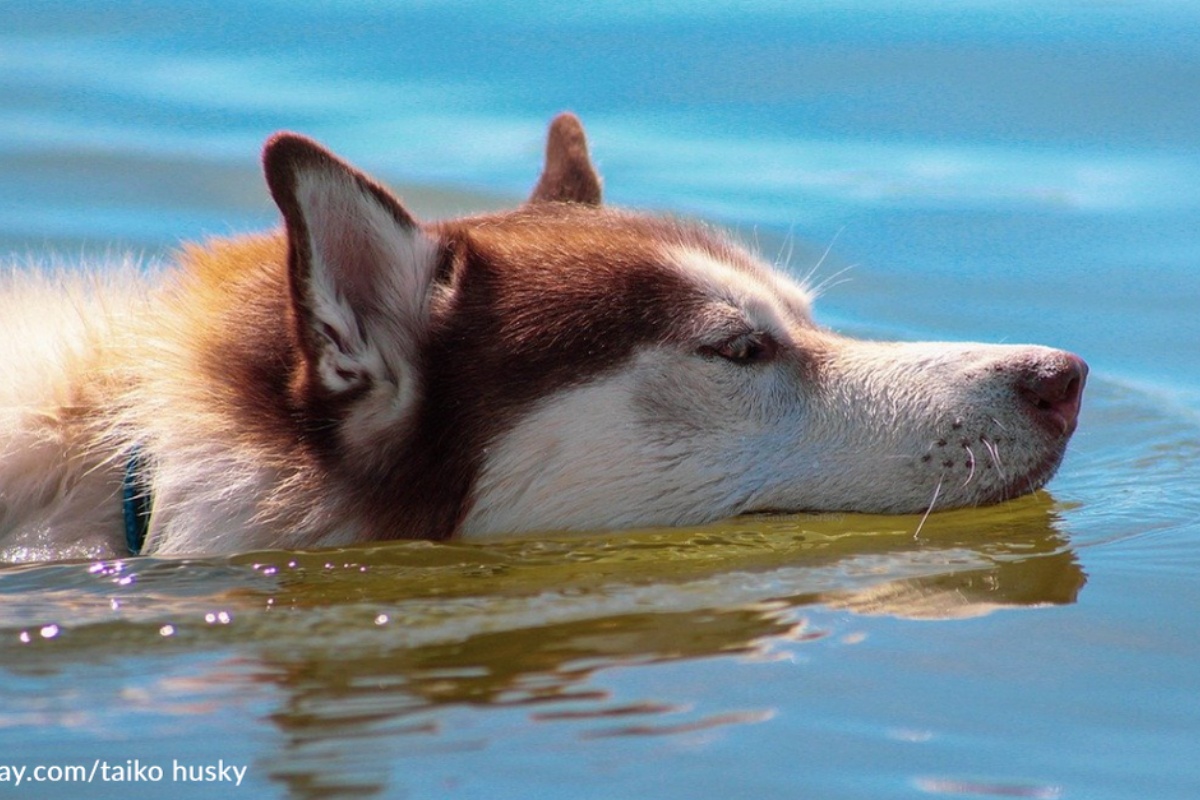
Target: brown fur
[
  {"x": 540, "y": 299},
  {"x": 568, "y": 176},
  {"x": 533, "y": 301}
]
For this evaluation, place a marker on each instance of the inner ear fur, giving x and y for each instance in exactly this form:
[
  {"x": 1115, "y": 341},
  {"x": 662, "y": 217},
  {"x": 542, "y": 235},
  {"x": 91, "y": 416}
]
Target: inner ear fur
[
  {"x": 568, "y": 175},
  {"x": 359, "y": 267}
]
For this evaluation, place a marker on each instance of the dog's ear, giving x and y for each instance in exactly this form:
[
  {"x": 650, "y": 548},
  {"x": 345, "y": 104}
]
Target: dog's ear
[
  {"x": 568, "y": 175},
  {"x": 360, "y": 269}
]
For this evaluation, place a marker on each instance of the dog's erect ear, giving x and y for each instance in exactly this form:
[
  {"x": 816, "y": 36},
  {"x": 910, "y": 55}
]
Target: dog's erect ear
[
  {"x": 568, "y": 175},
  {"x": 360, "y": 269}
]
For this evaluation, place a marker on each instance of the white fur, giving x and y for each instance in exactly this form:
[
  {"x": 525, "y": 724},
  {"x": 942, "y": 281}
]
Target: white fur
[
  {"x": 674, "y": 438},
  {"x": 378, "y": 315},
  {"x": 766, "y": 299},
  {"x": 586, "y": 460},
  {"x": 56, "y": 486}
]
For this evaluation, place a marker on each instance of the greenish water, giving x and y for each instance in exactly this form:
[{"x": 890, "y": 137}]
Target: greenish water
[{"x": 1006, "y": 172}]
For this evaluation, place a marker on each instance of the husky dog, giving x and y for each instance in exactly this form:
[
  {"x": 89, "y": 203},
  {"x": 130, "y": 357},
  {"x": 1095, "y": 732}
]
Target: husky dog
[{"x": 360, "y": 376}]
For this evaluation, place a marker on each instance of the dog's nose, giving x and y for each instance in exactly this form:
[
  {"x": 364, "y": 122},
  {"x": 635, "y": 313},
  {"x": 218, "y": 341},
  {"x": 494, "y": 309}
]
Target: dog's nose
[{"x": 1053, "y": 385}]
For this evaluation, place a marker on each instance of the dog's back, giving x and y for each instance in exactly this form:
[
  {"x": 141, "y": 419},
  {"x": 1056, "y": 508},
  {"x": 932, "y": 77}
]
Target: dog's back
[{"x": 65, "y": 338}]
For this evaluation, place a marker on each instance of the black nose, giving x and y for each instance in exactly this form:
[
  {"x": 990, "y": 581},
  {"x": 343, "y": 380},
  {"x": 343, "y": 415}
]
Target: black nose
[{"x": 1053, "y": 386}]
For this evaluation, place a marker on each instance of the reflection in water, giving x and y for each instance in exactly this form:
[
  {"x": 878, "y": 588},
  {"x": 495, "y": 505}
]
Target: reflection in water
[
  {"x": 340, "y": 715},
  {"x": 372, "y": 652},
  {"x": 1053, "y": 578},
  {"x": 1024, "y": 570},
  {"x": 715, "y": 599}
]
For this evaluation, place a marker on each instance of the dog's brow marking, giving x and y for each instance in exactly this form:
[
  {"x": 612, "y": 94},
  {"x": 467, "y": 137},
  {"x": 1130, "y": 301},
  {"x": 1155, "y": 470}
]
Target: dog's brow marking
[{"x": 763, "y": 296}]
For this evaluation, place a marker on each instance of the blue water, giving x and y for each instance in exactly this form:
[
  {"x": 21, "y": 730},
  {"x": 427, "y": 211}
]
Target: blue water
[{"x": 1003, "y": 171}]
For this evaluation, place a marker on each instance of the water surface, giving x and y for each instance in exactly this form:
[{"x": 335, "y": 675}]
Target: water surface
[{"x": 998, "y": 171}]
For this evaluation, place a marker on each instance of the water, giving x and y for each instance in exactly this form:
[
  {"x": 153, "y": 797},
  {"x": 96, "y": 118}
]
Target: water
[{"x": 999, "y": 171}]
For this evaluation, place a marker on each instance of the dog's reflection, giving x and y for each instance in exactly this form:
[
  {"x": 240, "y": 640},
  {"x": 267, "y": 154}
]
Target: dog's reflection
[{"x": 750, "y": 604}]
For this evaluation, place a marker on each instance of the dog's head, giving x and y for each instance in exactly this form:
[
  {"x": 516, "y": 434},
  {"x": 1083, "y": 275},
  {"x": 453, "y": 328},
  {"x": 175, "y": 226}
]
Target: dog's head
[{"x": 570, "y": 366}]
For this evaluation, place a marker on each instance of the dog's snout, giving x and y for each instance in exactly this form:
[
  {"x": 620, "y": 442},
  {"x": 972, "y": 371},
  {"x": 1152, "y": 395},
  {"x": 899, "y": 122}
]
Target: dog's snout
[{"x": 1053, "y": 386}]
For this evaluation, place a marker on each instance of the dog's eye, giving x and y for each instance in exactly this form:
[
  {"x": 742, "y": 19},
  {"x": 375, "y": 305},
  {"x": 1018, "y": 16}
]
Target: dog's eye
[{"x": 743, "y": 349}]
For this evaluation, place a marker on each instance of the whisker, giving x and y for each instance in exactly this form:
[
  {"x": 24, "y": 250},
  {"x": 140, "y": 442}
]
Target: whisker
[
  {"x": 820, "y": 261},
  {"x": 994, "y": 452},
  {"x": 789, "y": 245},
  {"x": 828, "y": 281},
  {"x": 828, "y": 248},
  {"x": 937, "y": 491},
  {"x": 971, "y": 456}
]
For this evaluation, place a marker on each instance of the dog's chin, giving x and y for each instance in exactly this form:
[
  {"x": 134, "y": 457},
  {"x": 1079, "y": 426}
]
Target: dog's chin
[
  {"x": 1010, "y": 487},
  {"x": 1025, "y": 482},
  {"x": 1029, "y": 482}
]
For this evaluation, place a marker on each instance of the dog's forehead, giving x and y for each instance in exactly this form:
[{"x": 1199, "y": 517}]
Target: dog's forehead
[
  {"x": 545, "y": 233},
  {"x": 580, "y": 252}
]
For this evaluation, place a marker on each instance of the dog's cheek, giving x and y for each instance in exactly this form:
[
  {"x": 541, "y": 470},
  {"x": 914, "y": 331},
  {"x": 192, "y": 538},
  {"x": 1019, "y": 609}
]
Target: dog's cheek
[{"x": 717, "y": 407}]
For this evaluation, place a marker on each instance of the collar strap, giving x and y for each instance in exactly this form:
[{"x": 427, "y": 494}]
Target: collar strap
[{"x": 136, "y": 500}]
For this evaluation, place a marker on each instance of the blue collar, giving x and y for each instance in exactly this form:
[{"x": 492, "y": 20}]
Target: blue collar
[{"x": 135, "y": 499}]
